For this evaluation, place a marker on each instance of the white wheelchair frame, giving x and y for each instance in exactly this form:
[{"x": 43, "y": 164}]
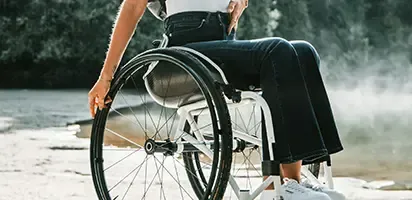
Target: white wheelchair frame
[{"x": 188, "y": 112}]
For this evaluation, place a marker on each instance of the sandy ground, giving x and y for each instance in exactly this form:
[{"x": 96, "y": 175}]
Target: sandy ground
[
  {"x": 53, "y": 164},
  {"x": 31, "y": 170}
]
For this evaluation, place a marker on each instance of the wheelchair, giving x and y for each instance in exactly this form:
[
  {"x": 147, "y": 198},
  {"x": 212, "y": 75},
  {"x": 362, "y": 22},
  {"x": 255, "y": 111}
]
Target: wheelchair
[{"x": 177, "y": 129}]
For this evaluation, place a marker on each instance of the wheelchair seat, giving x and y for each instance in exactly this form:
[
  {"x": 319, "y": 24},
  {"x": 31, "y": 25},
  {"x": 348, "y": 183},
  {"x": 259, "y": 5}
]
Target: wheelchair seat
[{"x": 172, "y": 86}]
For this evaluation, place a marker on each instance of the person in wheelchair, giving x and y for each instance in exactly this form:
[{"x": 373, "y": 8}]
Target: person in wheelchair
[{"x": 286, "y": 71}]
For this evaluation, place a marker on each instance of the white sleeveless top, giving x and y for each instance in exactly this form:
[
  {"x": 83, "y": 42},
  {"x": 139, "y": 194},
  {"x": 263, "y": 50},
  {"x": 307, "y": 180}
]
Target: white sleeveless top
[{"x": 177, "y": 6}]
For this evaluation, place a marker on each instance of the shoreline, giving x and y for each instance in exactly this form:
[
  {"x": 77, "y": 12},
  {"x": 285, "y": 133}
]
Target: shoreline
[
  {"x": 376, "y": 171},
  {"x": 42, "y": 162}
]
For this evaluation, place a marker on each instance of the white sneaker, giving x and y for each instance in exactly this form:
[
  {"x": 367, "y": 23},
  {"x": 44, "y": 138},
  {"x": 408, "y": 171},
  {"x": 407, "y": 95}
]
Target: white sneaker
[
  {"x": 292, "y": 190},
  {"x": 333, "y": 194}
]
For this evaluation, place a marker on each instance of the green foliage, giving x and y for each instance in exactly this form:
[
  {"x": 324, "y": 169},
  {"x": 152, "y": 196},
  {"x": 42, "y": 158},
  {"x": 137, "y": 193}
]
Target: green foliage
[
  {"x": 253, "y": 23},
  {"x": 54, "y": 43},
  {"x": 353, "y": 37}
]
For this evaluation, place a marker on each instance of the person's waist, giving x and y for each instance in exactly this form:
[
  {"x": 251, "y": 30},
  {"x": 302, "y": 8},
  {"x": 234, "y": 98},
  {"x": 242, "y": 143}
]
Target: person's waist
[{"x": 197, "y": 16}]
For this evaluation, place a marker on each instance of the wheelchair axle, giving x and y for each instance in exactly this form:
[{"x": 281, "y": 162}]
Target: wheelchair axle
[{"x": 168, "y": 148}]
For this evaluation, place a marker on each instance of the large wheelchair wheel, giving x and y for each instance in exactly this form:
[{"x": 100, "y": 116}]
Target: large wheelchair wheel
[{"x": 166, "y": 134}]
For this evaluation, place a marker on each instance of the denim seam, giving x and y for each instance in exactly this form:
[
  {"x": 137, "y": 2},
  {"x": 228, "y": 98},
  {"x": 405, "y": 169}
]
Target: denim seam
[
  {"x": 224, "y": 48},
  {"x": 268, "y": 56},
  {"x": 335, "y": 150},
  {"x": 316, "y": 153},
  {"x": 201, "y": 25}
]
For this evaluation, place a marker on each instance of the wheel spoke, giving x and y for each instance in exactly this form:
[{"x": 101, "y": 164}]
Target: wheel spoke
[
  {"x": 244, "y": 163},
  {"x": 151, "y": 182},
  {"x": 124, "y": 138},
  {"x": 145, "y": 179},
  {"x": 177, "y": 175},
  {"x": 131, "y": 110},
  {"x": 130, "y": 185},
  {"x": 160, "y": 178},
  {"x": 121, "y": 159},
  {"x": 173, "y": 122},
  {"x": 138, "y": 123},
  {"x": 122, "y": 149},
  {"x": 251, "y": 116},
  {"x": 248, "y": 159},
  {"x": 174, "y": 178},
  {"x": 163, "y": 107},
  {"x": 257, "y": 125},
  {"x": 144, "y": 104},
  {"x": 157, "y": 131},
  {"x": 191, "y": 173},
  {"x": 241, "y": 118},
  {"x": 137, "y": 168}
]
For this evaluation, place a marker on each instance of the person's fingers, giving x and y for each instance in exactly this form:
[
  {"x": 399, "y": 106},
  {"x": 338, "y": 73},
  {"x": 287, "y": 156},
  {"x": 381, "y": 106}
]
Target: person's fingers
[
  {"x": 95, "y": 110},
  {"x": 231, "y": 6},
  {"x": 92, "y": 105},
  {"x": 231, "y": 26},
  {"x": 234, "y": 20},
  {"x": 235, "y": 15},
  {"x": 101, "y": 102},
  {"x": 108, "y": 100}
]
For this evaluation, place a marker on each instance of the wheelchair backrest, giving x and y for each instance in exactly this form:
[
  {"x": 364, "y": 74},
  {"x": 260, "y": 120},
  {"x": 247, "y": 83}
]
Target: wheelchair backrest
[{"x": 157, "y": 8}]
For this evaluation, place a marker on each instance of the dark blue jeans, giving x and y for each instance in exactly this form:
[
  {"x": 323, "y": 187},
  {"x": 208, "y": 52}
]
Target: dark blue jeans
[{"x": 286, "y": 71}]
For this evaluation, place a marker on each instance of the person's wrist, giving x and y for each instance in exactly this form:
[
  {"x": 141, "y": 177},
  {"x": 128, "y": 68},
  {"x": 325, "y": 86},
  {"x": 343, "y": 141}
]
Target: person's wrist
[
  {"x": 106, "y": 74},
  {"x": 105, "y": 77}
]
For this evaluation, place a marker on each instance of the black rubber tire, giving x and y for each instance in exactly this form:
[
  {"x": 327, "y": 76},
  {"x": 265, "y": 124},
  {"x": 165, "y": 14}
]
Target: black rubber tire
[{"x": 222, "y": 138}]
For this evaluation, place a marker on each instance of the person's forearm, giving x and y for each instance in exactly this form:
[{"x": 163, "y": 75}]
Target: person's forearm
[{"x": 130, "y": 13}]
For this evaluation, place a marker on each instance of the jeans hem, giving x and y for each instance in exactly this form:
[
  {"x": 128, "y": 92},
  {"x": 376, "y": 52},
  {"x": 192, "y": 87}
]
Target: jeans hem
[
  {"x": 309, "y": 155},
  {"x": 335, "y": 150}
]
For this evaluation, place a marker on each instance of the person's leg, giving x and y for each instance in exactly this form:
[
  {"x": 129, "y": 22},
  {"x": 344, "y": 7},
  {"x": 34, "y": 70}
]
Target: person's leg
[
  {"x": 310, "y": 63},
  {"x": 273, "y": 63},
  {"x": 292, "y": 170}
]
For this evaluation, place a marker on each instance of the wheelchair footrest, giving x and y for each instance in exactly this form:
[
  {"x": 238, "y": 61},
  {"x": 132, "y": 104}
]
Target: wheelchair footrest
[{"x": 270, "y": 168}]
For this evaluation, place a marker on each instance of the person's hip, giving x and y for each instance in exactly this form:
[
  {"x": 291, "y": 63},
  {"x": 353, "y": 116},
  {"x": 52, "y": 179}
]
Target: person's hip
[{"x": 188, "y": 27}]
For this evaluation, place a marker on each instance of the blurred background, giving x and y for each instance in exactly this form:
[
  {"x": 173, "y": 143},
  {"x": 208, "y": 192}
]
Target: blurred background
[{"x": 51, "y": 53}]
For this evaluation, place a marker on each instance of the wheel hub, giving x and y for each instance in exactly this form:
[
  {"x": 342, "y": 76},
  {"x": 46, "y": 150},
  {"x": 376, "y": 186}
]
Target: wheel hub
[
  {"x": 149, "y": 146},
  {"x": 166, "y": 147}
]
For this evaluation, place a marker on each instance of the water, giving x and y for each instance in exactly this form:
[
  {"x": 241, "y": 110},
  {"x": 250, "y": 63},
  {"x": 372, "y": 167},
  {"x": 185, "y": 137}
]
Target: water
[
  {"x": 374, "y": 126},
  {"x": 36, "y": 109}
]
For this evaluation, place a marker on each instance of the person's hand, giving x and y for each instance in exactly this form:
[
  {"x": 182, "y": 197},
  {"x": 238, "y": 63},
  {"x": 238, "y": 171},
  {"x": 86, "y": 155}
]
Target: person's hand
[
  {"x": 236, "y": 8},
  {"x": 97, "y": 95}
]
